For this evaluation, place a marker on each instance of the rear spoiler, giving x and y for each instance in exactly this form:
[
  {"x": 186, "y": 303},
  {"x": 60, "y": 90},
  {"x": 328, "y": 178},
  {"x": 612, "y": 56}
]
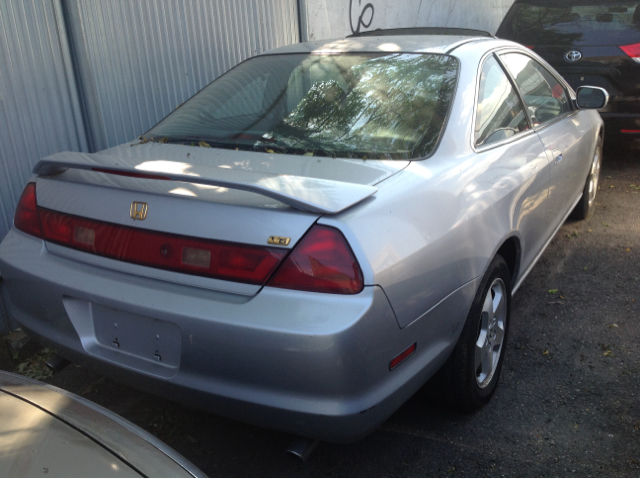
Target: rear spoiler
[{"x": 303, "y": 193}]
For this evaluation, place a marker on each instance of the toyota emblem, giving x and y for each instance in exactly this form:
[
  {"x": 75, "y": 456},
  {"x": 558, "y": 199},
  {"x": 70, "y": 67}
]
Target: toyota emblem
[{"x": 573, "y": 56}]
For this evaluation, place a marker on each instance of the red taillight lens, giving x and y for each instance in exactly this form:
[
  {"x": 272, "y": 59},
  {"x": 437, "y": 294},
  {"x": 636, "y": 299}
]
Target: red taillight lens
[
  {"x": 322, "y": 262},
  {"x": 26, "y": 218},
  {"x": 632, "y": 50},
  {"x": 215, "y": 259}
]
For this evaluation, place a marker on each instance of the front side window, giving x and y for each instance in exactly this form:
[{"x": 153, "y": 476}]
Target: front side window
[
  {"x": 366, "y": 105},
  {"x": 500, "y": 114},
  {"x": 545, "y": 97}
]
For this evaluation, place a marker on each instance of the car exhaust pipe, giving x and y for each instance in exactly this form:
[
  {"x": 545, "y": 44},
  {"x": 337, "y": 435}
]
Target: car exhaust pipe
[
  {"x": 57, "y": 363},
  {"x": 302, "y": 447}
]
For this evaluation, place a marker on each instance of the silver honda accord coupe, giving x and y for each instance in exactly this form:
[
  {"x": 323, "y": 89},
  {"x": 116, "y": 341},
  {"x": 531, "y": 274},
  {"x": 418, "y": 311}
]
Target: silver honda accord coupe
[{"x": 315, "y": 234}]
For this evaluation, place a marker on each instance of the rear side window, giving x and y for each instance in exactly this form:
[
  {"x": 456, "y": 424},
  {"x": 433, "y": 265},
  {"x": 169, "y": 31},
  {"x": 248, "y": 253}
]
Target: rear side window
[
  {"x": 576, "y": 22},
  {"x": 500, "y": 114},
  {"x": 545, "y": 97}
]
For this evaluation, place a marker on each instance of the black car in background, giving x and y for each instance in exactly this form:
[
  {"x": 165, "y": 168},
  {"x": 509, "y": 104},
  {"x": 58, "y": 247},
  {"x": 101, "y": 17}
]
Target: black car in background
[{"x": 589, "y": 43}]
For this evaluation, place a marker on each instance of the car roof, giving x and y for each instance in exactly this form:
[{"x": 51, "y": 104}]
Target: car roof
[
  {"x": 469, "y": 32},
  {"x": 384, "y": 43}
]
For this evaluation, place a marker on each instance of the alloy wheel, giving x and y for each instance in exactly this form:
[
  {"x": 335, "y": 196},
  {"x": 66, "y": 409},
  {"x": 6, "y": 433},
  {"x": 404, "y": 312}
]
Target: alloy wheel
[
  {"x": 491, "y": 333},
  {"x": 594, "y": 177}
]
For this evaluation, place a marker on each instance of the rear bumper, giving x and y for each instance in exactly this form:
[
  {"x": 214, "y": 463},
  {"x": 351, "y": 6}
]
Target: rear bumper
[
  {"x": 622, "y": 126},
  {"x": 311, "y": 364}
]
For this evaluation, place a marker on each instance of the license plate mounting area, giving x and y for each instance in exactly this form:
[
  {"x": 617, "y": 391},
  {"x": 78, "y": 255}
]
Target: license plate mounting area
[{"x": 128, "y": 339}]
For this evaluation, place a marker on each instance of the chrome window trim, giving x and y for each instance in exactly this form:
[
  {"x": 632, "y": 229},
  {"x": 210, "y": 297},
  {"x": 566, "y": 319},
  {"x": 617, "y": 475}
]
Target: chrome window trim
[
  {"x": 572, "y": 94},
  {"x": 465, "y": 42},
  {"x": 517, "y": 137},
  {"x": 534, "y": 56}
]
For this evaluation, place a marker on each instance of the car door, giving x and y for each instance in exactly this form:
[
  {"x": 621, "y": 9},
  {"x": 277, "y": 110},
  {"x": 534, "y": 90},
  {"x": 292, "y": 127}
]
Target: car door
[
  {"x": 559, "y": 127},
  {"x": 503, "y": 136}
]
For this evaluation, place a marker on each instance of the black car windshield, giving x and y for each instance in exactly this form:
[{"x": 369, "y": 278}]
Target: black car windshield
[
  {"x": 366, "y": 105},
  {"x": 575, "y": 22}
]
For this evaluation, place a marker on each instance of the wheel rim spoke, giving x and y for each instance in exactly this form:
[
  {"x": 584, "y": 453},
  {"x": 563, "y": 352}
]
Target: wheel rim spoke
[
  {"x": 487, "y": 308},
  {"x": 487, "y": 361},
  {"x": 499, "y": 333},
  {"x": 482, "y": 339},
  {"x": 595, "y": 177},
  {"x": 497, "y": 299},
  {"x": 483, "y": 361}
]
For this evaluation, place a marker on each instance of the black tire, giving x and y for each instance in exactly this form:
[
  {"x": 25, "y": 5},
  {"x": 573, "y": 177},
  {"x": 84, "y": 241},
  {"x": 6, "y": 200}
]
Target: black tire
[
  {"x": 587, "y": 204},
  {"x": 469, "y": 389}
]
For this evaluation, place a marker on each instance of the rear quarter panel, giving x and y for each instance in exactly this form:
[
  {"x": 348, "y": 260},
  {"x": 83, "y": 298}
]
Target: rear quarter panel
[{"x": 435, "y": 226}]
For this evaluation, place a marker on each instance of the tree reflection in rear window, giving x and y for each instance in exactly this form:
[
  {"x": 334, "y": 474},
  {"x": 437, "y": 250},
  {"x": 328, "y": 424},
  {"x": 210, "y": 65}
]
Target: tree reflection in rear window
[{"x": 366, "y": 105}]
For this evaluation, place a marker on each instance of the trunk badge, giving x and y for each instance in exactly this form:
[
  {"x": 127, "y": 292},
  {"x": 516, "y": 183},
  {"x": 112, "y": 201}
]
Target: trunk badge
[
  {"x": 573, "y": 56},
  {"x": 138, "y": 210},
  {"x": 279, "y": 240}
]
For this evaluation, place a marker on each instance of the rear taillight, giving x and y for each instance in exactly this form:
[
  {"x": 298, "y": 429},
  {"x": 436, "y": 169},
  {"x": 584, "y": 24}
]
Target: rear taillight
[
  {"x": 26, "y": 218},
  {"x": 321, "y": 262},
  {"x": 215, "y": 259},
  {"x": 632, "y": 50}
]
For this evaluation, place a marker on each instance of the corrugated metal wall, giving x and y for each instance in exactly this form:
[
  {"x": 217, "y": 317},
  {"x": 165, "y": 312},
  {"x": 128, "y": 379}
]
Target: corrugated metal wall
[
  {"x": 84, "y": 75},
  {"x": 39, "y": 112},
  {"x": 139, "y": 59}
]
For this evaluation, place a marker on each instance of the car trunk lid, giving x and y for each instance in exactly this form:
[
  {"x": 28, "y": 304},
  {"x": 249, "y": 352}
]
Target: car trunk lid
[{"x": 229, "y": 197}]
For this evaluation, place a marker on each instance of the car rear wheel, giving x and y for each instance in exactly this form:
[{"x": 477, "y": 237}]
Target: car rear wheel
[
  {"x": 478, "y": 356},
  {"x": 587, "y": 204}
]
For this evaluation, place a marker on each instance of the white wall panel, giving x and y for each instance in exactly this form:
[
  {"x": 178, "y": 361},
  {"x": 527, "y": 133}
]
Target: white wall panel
[
  {"x": 39, "y": 111},
  {"x": 328, "y": 19}
]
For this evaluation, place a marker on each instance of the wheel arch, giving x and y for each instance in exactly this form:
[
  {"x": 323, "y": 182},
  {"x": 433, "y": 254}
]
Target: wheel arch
[{"x": 511, "y": 250}]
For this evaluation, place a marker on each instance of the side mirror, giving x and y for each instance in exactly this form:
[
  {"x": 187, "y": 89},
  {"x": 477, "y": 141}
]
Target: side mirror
[{"x": 592, "y": 97}]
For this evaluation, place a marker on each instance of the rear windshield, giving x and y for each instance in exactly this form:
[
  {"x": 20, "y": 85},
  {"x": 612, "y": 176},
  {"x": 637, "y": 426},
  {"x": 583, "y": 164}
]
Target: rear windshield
[
  {"x": 539, "y": 22},
  {"x": 373, "y": 106}
]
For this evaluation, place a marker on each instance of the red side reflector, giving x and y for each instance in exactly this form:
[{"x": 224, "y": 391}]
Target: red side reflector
[
  {"x": 321, "y": 262},
  {"x": 530, "y": 47},
  {"x": 214, "y": 259},
  {"x": 26, "y": 218},
  {"x": 630, "y": 131},
  {"x": 132, "y": 175},
  {"x": 402, "y": 356},
  {"x": 632, "y": 50}
]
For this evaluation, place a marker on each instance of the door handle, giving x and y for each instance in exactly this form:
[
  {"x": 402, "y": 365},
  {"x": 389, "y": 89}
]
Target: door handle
[{"x": 557, "y": 156}]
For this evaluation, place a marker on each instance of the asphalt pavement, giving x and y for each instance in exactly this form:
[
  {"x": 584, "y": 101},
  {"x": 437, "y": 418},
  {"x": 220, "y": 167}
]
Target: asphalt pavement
[{"x": 568, "y": 402}]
